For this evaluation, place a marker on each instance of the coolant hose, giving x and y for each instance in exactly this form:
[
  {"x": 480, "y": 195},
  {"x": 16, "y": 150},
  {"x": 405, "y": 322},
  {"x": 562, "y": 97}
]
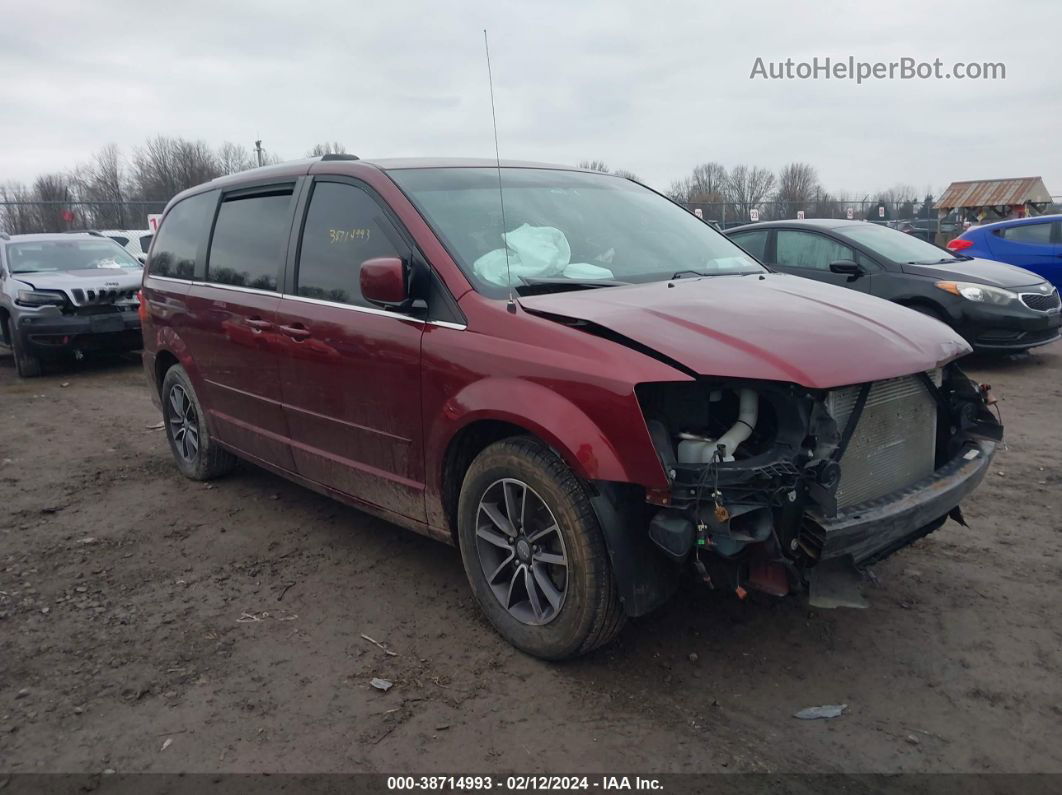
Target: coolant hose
[{"x": 748, "y": 407}]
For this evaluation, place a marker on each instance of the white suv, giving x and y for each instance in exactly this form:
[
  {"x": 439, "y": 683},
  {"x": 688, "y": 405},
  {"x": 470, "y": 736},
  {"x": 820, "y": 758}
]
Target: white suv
[{"x": 135, "y": 241}]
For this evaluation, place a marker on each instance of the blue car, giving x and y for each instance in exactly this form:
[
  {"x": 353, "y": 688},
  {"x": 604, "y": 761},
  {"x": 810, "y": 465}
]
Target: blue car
[{"x": 1031, "y": 243}]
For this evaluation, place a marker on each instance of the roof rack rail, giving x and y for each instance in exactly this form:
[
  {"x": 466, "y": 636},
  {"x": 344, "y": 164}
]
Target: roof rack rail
[{"x": 338, "y": 156}]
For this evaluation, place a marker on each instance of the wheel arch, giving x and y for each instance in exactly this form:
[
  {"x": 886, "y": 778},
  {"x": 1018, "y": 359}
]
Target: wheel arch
[
  {"x": 493, "y": 409},
  {"x": 914, "y": 301},
  {"x": 169, "y": 349},
  {"x": 164, "y": 360},
  {"x": 469, "y": 441},
  {"x": 471, "y": 421}
]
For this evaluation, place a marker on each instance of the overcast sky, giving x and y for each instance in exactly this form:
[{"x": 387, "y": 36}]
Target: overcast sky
[{"x": 651, "y": 87}]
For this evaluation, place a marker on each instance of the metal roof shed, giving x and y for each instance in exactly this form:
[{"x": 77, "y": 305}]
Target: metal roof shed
[{"x": 1003, "y": 198}]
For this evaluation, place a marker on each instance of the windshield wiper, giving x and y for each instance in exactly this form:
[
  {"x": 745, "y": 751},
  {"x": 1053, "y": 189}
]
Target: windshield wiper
[
  {"x": 940, "y": 261},
  {"x": 533, "y": 286},
  {"x": 681, "y": 274}
]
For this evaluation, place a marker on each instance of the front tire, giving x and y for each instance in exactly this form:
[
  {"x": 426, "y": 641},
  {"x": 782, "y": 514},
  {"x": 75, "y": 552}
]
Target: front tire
[
  {"x": 26, "y": 364},
  {"x": 195, "y": 452},
  {"x": 534, "y": 553}
]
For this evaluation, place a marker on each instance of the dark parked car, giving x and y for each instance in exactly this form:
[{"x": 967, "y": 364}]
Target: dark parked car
[
  {"x": 587, "y": 392},
  {"x": 1031, "y": 243},
  {"x": 995, "y": 307}
]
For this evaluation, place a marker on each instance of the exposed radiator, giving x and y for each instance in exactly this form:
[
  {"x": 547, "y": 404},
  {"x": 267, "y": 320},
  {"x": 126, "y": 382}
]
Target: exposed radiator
[{"x": 895, "y": 441}]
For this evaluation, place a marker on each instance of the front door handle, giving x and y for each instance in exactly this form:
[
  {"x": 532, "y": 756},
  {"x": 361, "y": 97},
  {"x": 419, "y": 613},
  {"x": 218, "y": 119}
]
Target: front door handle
[
  {"x": 296, "y": 331},
  {"x": 258, "y": 324}
]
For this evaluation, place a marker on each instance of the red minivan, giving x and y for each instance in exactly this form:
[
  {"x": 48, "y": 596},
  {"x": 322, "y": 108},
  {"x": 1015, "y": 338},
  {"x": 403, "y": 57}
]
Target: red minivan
[{"x": 581, "y": 385}]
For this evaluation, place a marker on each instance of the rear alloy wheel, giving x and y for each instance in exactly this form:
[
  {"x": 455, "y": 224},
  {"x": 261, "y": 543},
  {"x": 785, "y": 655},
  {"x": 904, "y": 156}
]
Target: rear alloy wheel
[
  {"x": 184, "y": 424},
  {"x": 196, "y": 454},
  {"x": 534, "y": 553},
  {"x": 26, "y": 364}
]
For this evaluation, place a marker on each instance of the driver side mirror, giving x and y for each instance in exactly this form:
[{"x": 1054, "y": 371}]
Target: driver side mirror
[
  {"x": 385, "y": 281},
  {"x": 847, "y": 267}
]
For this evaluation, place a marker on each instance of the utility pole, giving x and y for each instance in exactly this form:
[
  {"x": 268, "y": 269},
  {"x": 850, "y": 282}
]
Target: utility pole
[{"x": 258, "y": 150}]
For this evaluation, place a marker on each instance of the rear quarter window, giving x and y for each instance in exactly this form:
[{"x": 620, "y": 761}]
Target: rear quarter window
[
  {"x": 753, "y": 242},
  {"x": 182, "y": 233},
  {"x": 250, "y": 240},
  {"x": 1028, "y": 233}
]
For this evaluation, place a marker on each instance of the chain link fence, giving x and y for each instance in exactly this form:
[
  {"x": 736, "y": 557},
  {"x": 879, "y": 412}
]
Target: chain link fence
[{"x": 27, "y": 217}]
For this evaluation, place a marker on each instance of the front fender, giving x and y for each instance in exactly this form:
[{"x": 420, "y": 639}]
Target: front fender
[{"x": 555, "y": 419}]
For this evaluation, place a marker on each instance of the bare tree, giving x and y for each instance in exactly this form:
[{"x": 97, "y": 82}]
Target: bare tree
[
  {"x": 706, "y": 184},
  {"x": 680, "y": 190},
  {"x": 594, "y": 165},
  {"x": 327, "y": 148},
  {"x": 602, "y": 166},
  {"x": 102, "y": 182},
  {"x": 196, "y": 163},
  {"x": 165, "y": 166},
  {"x": 709, "y": 183},
  {"x": 233, "y": 158},
  {"x": 797, "y": 187},
  {"x": 898, "y": 201},
  {"x": 53, "y": 194},
  {"x": 748, "y": 187},
  {"x": 17, "y": 216}
]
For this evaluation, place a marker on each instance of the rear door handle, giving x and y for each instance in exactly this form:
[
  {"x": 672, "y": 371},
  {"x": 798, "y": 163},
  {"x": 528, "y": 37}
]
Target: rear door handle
[
  {"x": 258, "y": 324},
  {"x": 297, "y": 331}
]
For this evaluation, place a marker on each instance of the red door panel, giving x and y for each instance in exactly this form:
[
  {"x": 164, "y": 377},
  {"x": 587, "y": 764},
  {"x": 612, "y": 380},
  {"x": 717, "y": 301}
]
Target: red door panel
[
  {"x": 351, "y": 386},
  {"x": 232, "y": 337}
]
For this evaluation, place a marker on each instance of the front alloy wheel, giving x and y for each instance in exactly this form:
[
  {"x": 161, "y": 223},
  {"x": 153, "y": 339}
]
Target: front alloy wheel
[
  {"x": 534, "y": 552},
  {"x": 521, "y": 551}
]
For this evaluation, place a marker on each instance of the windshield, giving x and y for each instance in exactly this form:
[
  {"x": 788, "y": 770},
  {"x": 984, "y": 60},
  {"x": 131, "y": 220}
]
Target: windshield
[
  {"x": 894, "y": 245},
  {"x": 564, "y": 226},
  {"x": 67, "y": 255}
]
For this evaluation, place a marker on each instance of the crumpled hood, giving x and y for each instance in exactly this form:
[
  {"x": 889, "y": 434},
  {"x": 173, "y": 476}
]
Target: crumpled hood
[
  {"x": 84, "y": 279},
  {"x": 980, "y": 271},
  {"x": 775, "y": 327}
]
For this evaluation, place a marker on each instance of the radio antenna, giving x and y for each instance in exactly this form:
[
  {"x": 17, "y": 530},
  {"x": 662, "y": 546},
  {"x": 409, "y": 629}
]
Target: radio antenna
[{"x": 501, "y": 194}]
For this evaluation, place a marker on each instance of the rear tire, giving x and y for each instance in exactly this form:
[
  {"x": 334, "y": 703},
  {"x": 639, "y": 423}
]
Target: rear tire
[
  {"x": 26, "y": 364},
  {"x": 575, "y": 607},
  {"x": 195, "y": 452}
]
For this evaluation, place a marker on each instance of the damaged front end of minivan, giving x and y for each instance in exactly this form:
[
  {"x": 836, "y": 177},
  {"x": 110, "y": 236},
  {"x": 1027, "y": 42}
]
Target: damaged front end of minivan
[{"x": 778, "y": 487}]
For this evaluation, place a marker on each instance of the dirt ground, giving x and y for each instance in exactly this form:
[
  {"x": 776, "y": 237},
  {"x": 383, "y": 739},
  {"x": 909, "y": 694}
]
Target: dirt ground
[{"x": 148, "y": 623}]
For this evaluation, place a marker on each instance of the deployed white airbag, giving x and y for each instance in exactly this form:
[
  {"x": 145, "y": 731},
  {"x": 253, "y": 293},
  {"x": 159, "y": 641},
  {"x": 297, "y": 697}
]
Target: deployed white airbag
[{"x": 537, "y": 252}]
